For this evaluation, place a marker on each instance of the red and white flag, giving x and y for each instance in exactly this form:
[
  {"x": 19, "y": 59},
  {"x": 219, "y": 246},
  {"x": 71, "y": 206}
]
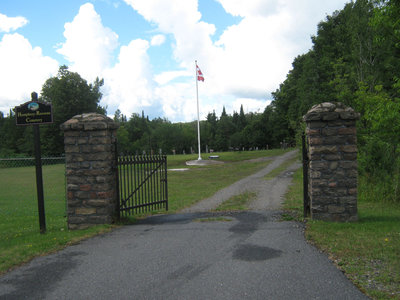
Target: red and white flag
[{"x": 200, "y": 76}]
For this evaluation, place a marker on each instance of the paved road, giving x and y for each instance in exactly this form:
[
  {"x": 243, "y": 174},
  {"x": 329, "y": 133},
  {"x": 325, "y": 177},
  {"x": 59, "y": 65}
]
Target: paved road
[{"x": 202, "y": 255}]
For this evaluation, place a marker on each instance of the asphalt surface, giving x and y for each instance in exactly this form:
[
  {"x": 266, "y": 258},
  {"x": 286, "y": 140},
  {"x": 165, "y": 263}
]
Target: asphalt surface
[{"x": 200, "y": 255}]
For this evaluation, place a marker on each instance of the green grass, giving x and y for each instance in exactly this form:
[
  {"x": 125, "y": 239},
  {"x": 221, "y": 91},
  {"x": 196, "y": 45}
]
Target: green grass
[
  {"x": 275, "y": 172},
  {"x": 368, "y": 251},
  {"x": 178, "y": 161},
  {"x": 20, "y": 239},
  {"x": 237, "y": 202}
]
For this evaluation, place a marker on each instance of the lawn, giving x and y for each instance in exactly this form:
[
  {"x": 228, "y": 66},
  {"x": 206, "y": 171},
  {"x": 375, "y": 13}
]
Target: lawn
[
  {"x": 367, "y": 251},
  {"x": 20, "y": 239}
]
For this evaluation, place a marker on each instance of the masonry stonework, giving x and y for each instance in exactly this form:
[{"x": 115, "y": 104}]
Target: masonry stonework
[
  {"x": 332, "y": 154},
  {"x": 90, "y": 170}
]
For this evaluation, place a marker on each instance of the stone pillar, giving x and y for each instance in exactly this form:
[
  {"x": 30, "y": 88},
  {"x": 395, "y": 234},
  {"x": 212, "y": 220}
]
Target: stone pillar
[
  {"x": 90, "y": 170},
  {"x": 332, "y": 142}
]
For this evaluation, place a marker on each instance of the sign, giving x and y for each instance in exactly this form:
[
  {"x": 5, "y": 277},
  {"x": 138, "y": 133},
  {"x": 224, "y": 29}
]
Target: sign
[{"x": 34, "y": 112}]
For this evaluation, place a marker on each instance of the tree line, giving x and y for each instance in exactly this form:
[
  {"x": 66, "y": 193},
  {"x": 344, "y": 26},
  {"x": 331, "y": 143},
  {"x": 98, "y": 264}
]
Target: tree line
[
  {"x": 70, "y": 95},
  {"x": 239, "y": 131}
]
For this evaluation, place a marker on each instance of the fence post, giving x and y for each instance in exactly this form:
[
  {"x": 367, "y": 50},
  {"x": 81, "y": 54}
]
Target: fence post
[
  {"x": 90, "y": 170},
  {"x": 306, "y": 199}
]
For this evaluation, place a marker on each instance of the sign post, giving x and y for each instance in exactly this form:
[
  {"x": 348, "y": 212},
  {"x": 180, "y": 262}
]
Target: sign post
[{"x": 34, "y": 113}]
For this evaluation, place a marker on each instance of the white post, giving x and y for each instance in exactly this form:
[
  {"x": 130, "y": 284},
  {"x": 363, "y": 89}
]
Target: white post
[{"x": 198, "y": 115}]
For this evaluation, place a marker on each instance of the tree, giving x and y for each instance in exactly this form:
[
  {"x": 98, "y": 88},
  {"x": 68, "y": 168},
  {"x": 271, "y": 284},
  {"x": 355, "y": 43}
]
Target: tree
[{"x": 70, "y": 95}]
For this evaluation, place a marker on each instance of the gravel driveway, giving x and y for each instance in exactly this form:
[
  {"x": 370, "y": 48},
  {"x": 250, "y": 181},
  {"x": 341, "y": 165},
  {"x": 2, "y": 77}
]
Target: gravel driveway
[{"x": 269, "y": 192}]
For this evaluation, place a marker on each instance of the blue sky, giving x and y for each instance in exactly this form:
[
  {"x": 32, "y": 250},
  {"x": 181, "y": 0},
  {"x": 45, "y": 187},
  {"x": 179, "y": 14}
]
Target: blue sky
[{"x": 145, "y": 50}]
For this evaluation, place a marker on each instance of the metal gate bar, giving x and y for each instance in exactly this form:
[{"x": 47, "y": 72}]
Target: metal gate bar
[
  {"x": 142, "y": 183},
  {"x": 306, "y": 199}
]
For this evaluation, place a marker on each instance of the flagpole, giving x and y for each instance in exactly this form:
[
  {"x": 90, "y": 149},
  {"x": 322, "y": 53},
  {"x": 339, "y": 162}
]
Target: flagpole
[{"x": 198, "y": 115}]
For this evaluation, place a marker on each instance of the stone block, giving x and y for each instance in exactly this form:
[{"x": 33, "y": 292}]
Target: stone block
[
  {"x": 329, "y": 131},
  {"x": 330, "y": 116},
  {"x": 101, "y": 164},
  {"x": 312, "y": 116},
  {"x": 349, "y": 115},
  {"x": 315, "y": 141},
  {"x": 318, "y": 165},
  {"x": 85, "y": 187},
  {"x": 334, "y": 140},
  {"x": 348, "y": 148},
  {"x": 315, "y": 174},
  {"x": 104, "y": 219},
  {"x": 82, "y": 140},
  {"x": 106, "y": 140},
  {"x": 101, "y": 148},
  {"x": 352, "y": 173},
  {"x": 347, "y": 131},
  {"x": 334, "y": 209},
  {"x": 316, "y": 125},
  {"x": 97, "y": 202},
  {"x": 72, "y": 149},
  {"x": 312, "y": 132},
  {"x": 323, "y": 149},
  {"x": 70, "y": 141},
  {"x": 85, "y": 211},
  {"x": 82, "y": 194},
  {"x": 349, "y": 156},
  {"x": 74, "y": 219},
  {"x": 332, "y": 157},
  {"x": 333, "y": 165},
  {"x": 72, "y": 187},
  {"x": 352, "y": 191}
]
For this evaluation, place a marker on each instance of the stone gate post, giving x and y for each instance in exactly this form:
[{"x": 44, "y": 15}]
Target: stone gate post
[
  {"x": 332, "y": 142},
  {"x": 90, "y": 165}
]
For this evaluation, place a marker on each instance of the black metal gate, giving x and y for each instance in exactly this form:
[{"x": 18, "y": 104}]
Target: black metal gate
[
  {"x": 142, "y": 183},
  {"x": 306, "y": 199}
]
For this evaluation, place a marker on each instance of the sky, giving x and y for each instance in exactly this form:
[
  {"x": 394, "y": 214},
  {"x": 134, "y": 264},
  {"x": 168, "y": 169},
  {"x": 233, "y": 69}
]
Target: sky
[{"x": 145, "y": 50}]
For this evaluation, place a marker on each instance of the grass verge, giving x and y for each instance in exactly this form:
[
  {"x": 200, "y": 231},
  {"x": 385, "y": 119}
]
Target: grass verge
[
  {"x": 237, "y": 202},
  {"x": 275, "y": 172},
  {"x": 367, "y": 251},
  {"x": 20, "y": 239}
]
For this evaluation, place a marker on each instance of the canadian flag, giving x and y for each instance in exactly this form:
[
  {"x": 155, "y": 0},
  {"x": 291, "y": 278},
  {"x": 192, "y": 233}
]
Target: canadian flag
[{"x": 200, "y": 76}]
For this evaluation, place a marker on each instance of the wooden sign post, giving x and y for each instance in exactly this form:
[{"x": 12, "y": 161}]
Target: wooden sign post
[{"x": 35, "y": 113}]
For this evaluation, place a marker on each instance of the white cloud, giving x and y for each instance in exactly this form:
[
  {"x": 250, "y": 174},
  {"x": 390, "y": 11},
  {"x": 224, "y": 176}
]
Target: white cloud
[
  {"x": 168, "y": 76},
  {"x": 158, "y": 40},
  {"x": 249, "y": 60},
  {"x": 183, "y": 20},
  {"x": 253, "y": 8},
  {"x": 89, "y": 45},
  {"x": 23, "y": 70},
  {"x": 8, "y": 24},
  {"x": 129, "y": 84}
]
